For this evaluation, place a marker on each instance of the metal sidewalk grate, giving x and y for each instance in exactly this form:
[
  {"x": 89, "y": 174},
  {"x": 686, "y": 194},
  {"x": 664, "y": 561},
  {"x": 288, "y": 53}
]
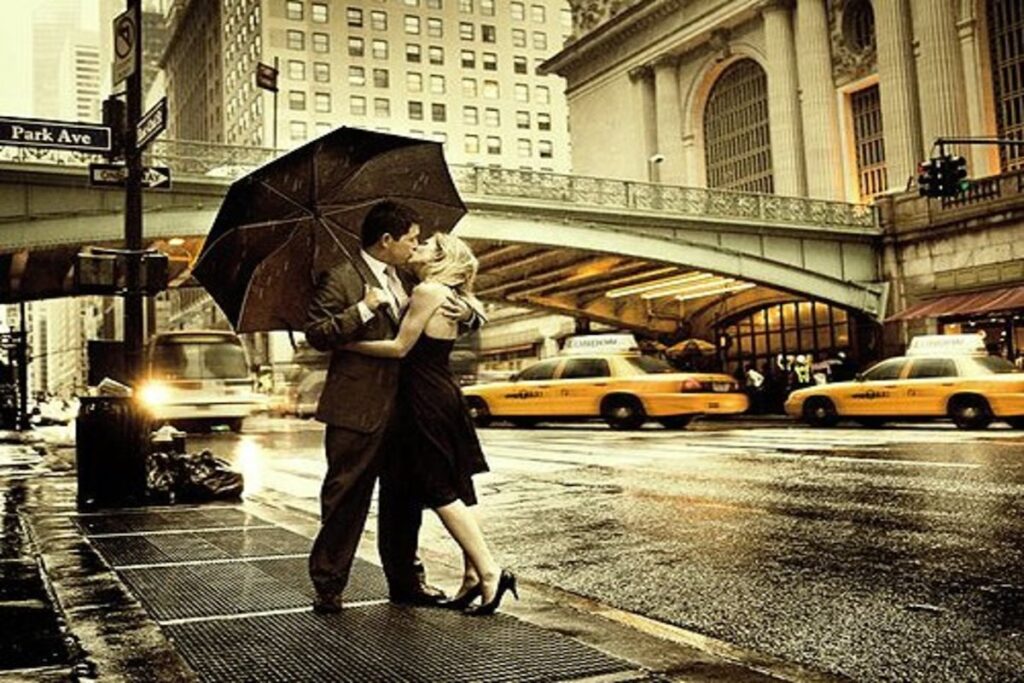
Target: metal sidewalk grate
[
  {"x": 385, "y": 643},
  {"x": 191, "y": 546},
  {"x": 160, "y": 520},
  {"x": 240, "y": 587}
]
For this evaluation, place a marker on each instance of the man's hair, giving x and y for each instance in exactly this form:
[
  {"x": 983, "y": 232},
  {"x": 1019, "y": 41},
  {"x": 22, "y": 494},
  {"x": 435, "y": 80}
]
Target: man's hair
[{"x": 387, "y": 217}]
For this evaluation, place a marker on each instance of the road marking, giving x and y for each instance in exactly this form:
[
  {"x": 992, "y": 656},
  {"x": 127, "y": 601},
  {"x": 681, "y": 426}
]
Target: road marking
[
  {"x": 265, "y": 613},
  {"x": 219, "y": 560},
  {"x": 171, "y": 532}
]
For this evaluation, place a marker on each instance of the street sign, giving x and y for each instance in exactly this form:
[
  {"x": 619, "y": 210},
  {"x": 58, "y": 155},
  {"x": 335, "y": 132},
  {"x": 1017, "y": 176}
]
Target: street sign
[
  {"x": 152, "y": 123},
  {"x": 266, "y": 77},
  {"x": 81, "y": 137},
  {"x": 115, "y": 175},
  {"x": 126, "y": 34}
]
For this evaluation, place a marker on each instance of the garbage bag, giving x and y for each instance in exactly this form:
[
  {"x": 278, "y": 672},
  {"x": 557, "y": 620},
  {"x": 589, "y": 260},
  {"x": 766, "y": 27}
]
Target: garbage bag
[{"x": 192, "y": 478}]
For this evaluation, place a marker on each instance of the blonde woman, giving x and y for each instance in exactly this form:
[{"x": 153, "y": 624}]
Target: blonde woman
[{"x": 439, "y": 437}]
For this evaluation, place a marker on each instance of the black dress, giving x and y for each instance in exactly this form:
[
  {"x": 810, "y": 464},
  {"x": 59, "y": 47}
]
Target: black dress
[{"x": 441, "y": 446}]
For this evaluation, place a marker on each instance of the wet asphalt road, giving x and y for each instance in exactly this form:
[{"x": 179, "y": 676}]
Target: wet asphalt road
[{"x": 885, "y": 555}]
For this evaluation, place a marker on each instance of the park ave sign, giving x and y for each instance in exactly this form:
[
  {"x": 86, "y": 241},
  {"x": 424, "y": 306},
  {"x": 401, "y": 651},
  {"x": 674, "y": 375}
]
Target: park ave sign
[{"x": 54, "y": 134}]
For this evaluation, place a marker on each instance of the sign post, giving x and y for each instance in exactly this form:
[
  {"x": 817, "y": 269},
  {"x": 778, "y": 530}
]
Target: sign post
[{"x": 128, "y": 49}]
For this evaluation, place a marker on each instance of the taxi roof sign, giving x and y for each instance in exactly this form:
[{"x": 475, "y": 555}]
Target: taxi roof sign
[
  {"x": 948, "y": 345},
  {"x": 601, "y": 343}
]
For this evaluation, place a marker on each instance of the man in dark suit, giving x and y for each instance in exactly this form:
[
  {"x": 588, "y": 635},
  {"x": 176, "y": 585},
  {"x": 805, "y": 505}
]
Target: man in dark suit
[{"x": 363, "y": 299}]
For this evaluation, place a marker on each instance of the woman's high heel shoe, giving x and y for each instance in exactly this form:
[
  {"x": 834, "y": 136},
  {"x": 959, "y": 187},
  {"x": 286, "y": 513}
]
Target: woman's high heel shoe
[
  {"x": 506, "y": 582},
  {"x": 461, "y": 602}
]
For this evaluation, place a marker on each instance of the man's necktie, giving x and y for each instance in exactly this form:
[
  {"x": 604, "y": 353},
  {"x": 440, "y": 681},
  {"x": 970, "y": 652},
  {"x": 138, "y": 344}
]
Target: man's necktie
[{"x": 397, "y": 290}]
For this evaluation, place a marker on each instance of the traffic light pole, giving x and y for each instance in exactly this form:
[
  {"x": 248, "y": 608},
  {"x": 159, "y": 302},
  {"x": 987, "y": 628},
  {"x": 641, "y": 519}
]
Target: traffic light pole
[
  {"x": 133, "y": 314},
  {"x": 1001, "y": 142}
]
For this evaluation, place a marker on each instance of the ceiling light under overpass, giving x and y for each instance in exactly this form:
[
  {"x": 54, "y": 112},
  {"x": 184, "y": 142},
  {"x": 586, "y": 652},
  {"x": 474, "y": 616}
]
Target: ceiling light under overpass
[
  {"x": 656, "y": 284},
  {"x": 738, "y": 287},
  {"x": 706, "y": 281}
]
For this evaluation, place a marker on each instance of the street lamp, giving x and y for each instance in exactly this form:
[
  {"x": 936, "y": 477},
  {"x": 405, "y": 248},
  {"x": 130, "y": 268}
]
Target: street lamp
[{"x": 653, "y": 172}]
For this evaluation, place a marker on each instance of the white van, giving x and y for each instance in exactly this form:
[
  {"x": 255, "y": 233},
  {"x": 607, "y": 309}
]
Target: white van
[{"x": 198, "y": 379}]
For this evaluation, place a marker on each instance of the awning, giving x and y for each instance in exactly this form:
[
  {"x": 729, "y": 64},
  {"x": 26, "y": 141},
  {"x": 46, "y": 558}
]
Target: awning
[{"x": 989, "y": 301}]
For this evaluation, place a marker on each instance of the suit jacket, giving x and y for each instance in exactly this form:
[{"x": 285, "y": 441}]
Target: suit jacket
[{"x": 359, "y": 392}]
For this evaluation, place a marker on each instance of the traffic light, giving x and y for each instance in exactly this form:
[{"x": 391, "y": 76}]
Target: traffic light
[
  {"x": 953, "y": 176},
  {"x": 928, "y": 178},
  {"x": 115, "y": 117}
]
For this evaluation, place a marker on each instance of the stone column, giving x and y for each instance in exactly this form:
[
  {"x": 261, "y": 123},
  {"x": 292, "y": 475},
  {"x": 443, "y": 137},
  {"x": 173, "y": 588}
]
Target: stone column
[
  {"x": 901, "y": 121},
  {"x": 941, "y": 73},
  {"x": 669, "y": 117},
  {"x": 967, "y": 27},
  {"x": 783, "y": 99},
  {"x": 818, "y": 102},
  {"x": 642, "y": 78}
]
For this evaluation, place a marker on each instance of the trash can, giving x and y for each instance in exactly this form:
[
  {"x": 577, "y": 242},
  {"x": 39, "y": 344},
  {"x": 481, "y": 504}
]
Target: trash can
[{"x": 111, "y": 443}]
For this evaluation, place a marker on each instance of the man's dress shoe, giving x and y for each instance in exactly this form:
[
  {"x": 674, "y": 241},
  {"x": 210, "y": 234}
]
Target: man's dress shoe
[
  {"x": 423, "y": 595},
  {"x": 325, "y": 603}
]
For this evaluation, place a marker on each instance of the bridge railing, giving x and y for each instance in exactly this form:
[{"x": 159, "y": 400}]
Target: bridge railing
[{"x": 231, "y": 161}]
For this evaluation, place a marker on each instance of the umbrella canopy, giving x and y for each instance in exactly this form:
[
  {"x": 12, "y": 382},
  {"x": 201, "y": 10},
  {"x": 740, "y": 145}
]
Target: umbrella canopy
[
  {"x": 297, "y": 216},
  {"x": 692, "y": 347}
]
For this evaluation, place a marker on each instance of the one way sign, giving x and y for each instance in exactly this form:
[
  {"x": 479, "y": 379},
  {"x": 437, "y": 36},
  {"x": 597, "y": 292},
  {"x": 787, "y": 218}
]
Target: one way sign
[{"x": 115, "y": 175}]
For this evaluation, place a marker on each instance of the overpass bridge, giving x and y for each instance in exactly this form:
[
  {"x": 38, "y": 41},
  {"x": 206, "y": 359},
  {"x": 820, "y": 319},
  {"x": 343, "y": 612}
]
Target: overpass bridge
[{"x": 632, "y": 254}]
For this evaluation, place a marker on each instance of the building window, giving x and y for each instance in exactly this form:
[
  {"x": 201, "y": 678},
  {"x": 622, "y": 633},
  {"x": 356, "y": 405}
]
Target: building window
[
  {"x": 297, "y": 131},
  {"x": 1006, "y": 54},
  {"x": 435, "y": 55},
  {"x": 414, "y": 81},
  {"x": 470, "y": 116},
  {"x": 381, "y": 107},
  {"x": 466, "y": 6},
  {"x": 381, "y": 79},
  {"x": 322, "y": 103},
  {"x": 318, "y": 12},
  {"x": 869, "y": 140},
  {"x": 437, "y": 84},
  {"x": 321, "y": 72},
  {"x": 321, "y": 42},
  {"x": 297, "y": 100},
  {"x": 540, "y": 40},
  {"x": 487, "y": 8},
  {"x": 493, "y": 144},
  {"x": 411, "y": 3},
  {"x": 543, "y": 94},
  {"x": 466, "y": 31},
  {"x": 296, "y": 40},
  {"x": 435, "y": 4},
  {"x": 491, "y": 90},
  {"x": 517, "y": 11},
  {"x": 379, "y": 49},
  {"x": 565, "y": 20},
  {"x": 379, "y": 20},
  {"x": 412, "y": 25},
  {"x": 357, "y": 105},
  {"x": 522, "y": 119},
  {"x": 438, "y": 113},
  {"x": 519, "y": 64},
  {"x": 469, "y": 87},
  {"x": 354, "y": 17},
  {"x": 356, "y": 75},
  {"x": 737, "y": 146},
  {"x": 859, "y": 25},
  {"x": 521, "y": 92},
  {"x": 416, "y": 110},
  {"x": 293, "y": 9},
  {"x": 468, "y": 58},
  {"x": 545, "y": 149},
  {"x": 543, "y": 121},
  {"x": 323, "y": 127},
  {"x": 356, "y": 47},
  {"x": 488, "y": 34},
  {"x": 538, "y": 14},
  {"x": 471, "y": 144},
  {"x": 524, "y": 148},
  {"x": 296, "y": 70},
  {"x": 489, "y": 60},
  {"x": 435, "y": 28},
  {"x": 492, "y": 118},
  {"x": 518, "y": 37},
  {"x": 413, "y": 53}
]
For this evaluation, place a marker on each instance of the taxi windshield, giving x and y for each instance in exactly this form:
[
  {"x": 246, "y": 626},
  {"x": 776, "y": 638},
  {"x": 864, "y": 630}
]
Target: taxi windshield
[
  {"x": 650, "y": 365},
  {"x": 992, "y": 365}
]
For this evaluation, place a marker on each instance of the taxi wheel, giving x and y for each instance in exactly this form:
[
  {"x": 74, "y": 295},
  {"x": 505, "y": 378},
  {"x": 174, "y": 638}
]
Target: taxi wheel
[
  {"x": 970, "y": 412},
  {"x": 623, "y": 412},
  {"x": 676, "y": 421},
  {"x": 235, "y": 424},
  {"x": 479, "y": 411},
  {"x": 820, "y": 412}
]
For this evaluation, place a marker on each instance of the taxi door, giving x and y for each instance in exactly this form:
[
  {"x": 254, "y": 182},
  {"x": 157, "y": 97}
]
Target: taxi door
[
  {"x": 531, "y": 393},
  {"x": 929, "y": 383},
  {"x": 878, "y": 392},
  {"x": 581, "y": 385}
]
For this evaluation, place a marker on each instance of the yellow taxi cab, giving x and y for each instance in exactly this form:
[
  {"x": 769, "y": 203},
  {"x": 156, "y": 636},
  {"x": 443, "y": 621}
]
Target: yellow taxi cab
[
  {"x": 606, "y": 377},
  {"x": 941, "y": 376}
]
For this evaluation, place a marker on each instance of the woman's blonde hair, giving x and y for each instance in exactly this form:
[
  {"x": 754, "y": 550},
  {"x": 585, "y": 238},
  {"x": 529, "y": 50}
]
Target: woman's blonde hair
[{"x": 454, "y": 265}]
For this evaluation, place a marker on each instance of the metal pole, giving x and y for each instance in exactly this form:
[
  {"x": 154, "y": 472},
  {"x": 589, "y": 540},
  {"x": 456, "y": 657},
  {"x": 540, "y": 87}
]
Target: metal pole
[
  {"x": 23, "y": 369},
  {"x": 277, "y": 73},
  {"x": 133, "y": 315}
]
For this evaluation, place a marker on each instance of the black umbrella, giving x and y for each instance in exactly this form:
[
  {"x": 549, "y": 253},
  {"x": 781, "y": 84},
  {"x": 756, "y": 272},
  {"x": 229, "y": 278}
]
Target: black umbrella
[{"x": 295, "y": 217}]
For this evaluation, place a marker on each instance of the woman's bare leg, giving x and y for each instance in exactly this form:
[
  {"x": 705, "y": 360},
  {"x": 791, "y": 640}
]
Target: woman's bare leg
[
  {"x": 463, "y": 527},
  {"x": 470, "y": 577}
]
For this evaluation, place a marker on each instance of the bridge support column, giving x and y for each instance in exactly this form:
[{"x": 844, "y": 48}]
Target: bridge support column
[
  {"x": 820, "y": 118},
  {"x": 900, "y": 114},
  {"x": 783, "y": 99},
  {"x": 670, "y": 124}
]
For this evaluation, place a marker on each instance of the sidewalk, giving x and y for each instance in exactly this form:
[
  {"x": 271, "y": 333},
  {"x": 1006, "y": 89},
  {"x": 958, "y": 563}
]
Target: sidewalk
[{"x": 220, "y": 593}]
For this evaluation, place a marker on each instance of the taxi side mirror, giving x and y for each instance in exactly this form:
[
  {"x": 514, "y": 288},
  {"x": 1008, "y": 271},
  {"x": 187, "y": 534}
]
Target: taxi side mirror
[
  {"x": 514, "y": 378},
  {"x": 859, "y": 377}
]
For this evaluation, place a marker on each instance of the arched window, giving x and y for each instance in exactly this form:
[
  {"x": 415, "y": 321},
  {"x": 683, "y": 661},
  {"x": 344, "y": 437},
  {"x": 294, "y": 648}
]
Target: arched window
[
  {"x": 737, "y": 147},
  {"x": 1006, "y": 51}
]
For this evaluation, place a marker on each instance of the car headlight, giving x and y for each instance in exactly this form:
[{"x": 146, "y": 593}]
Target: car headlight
[{"x": 154, "y": 394}]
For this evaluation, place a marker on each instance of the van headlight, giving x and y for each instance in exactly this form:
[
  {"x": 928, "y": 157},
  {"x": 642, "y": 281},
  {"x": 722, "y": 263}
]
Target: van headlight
[{"x": 153, "y": 394}]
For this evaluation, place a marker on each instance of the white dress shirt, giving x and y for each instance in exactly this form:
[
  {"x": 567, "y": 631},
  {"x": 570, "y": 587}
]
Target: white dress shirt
[{"x": 394, "y": 290}]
